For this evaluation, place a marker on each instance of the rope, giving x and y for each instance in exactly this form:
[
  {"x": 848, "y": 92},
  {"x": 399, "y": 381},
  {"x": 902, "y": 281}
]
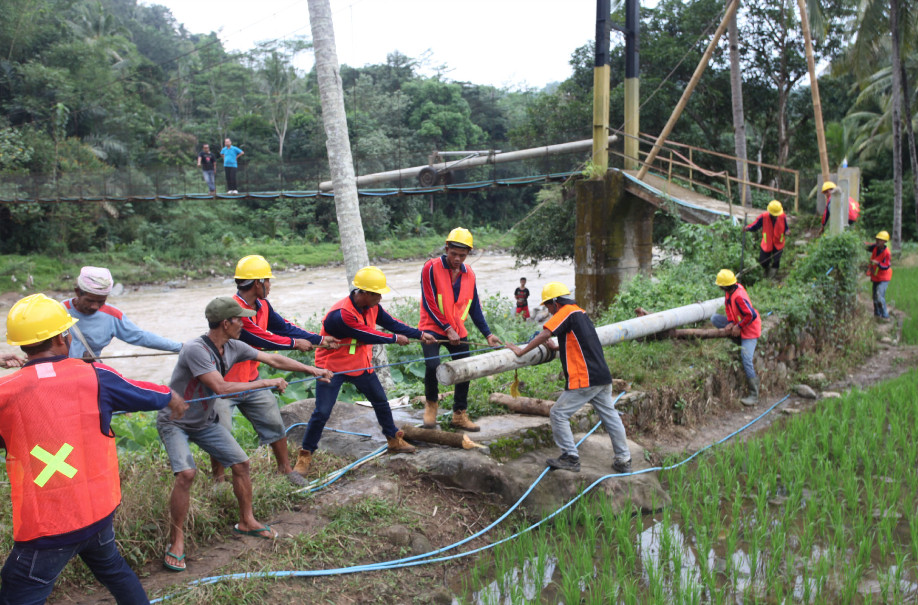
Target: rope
[{"x": 427, "y": 558}]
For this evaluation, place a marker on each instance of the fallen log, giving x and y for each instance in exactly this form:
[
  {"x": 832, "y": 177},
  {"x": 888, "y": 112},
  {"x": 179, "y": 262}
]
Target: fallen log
[
  {"x": 495, "y": 362},
  {"x": 700, "y": 333},
  {"x": 413, "y": 433},
  {"x": 523, "y": 405}
]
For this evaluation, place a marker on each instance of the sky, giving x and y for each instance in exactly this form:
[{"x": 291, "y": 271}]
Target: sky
[{"x": 512, "y": 44}]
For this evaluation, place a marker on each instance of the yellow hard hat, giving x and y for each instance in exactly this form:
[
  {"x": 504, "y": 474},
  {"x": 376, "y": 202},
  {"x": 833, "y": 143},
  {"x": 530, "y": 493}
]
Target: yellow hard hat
[
  {"x": 253, "y": 266},
  {"x": 460, "y": 236},
  {"x": 371, "y": 279},
  {"x": 883, "y": 235},
  {"x": 554, "y": 289},
  {"x": 725, "y": 277},
  {"x": 775, "y": 208},
  {"x": 828, "y": 185},
  {"x": 36, "y": 318}
]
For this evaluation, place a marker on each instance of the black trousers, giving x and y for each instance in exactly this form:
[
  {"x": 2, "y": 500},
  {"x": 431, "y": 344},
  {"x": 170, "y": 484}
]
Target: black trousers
[
  {"x": 431, "y": 361},
  {"x": 230, "y": 172},
  {"x": 770, "y": 259}
]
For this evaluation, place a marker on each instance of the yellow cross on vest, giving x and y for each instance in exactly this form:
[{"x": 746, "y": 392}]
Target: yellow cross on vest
[{"x": 56, "y": 463}]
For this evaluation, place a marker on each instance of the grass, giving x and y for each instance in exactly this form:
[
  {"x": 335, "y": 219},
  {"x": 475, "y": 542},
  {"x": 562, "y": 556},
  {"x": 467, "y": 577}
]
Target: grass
[
  {"x": 818, "y": 506},
  {"x": 903, "y": 293}
]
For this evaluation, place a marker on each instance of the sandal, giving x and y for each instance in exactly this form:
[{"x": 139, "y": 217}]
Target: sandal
[{"x": 179, "y": 558}]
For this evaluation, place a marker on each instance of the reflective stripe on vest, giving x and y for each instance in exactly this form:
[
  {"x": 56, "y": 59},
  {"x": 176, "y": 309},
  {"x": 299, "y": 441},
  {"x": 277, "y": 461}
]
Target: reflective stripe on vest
[
  {"x": 455, "y": 311},
  {"x": 63, "y": 471},
  {"x": 352, "y": 356}
]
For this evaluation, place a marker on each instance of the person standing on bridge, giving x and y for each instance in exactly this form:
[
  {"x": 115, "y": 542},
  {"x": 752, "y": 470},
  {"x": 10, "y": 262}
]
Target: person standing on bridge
[
  {"x": 588, "y": 378},
  {"x": 201, "y": 372},
  {"x": 353, "y": 320},
  {"x": 854, "y": 208},
  {"x": 265, "y": 330},
  {"x": 448, "y": 297},
  {"x": 207, "y": 162},
  {"x": 100, "y": 322},
  {"x": 773, "y": 225},
  {"x": 743, "y": 322},
  {"x": 880, "y": 273},
  {"x": 61, "y": 459},
  {"x": 230, "y": 154}
]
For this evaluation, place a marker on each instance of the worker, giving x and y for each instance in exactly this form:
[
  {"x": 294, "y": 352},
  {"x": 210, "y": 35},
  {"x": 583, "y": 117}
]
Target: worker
[
  {"x": 587, "y": 376},
  {"x": 353, "y": 320},
  {"x": 741, "y": 321},
  {"x": 100, "y": 322},
  {"x": 61, "y": 459},
  {"x": 854, "y": 208},
  {"x": 265, "y": 330},
  {"x": 521, "y": 295},
  {"x": 880, "y": 272},
  {"x": 448, "y": 297},
  {"x": 201, "y": 372},
  {"x": 773, "y": 225}
]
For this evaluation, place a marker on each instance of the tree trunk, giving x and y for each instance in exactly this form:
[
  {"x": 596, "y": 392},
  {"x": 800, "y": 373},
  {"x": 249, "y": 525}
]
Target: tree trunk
[
  {"x": 338, "y": 145},
  {"x": 739, "y": 118},
  {"x": 896, "y": 125},
  {"x": 910, "y": 132}
]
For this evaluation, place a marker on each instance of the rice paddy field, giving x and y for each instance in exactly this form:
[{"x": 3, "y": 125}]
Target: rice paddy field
[{"x": 820, "y": 508}]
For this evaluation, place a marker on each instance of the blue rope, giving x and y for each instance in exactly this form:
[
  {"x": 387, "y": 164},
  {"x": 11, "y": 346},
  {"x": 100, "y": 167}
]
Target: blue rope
[{"x": 416, "y": 560}]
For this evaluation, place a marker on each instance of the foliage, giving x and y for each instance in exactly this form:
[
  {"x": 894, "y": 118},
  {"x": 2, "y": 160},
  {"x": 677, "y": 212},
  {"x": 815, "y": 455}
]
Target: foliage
[
  {"x": 548, "y": 231},
  {"x": 903, "y": 293}
]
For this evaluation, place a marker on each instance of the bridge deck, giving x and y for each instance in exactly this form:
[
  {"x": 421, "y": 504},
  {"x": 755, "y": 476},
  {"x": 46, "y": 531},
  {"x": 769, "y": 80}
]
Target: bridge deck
[{"x": 693, "y": 207}]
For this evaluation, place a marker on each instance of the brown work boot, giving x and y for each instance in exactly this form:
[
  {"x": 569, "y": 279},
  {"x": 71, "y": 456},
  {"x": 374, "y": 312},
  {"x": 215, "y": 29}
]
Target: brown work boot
[
  {"x": 303, "y": 462},
  {"x": 430, "y": 415},
  {"x": 461, "y": 421},
  {"x": 398, "y": 445}
]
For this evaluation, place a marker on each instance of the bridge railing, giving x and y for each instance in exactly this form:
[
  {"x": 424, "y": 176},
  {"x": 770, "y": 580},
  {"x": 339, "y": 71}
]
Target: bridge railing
[{"x": 716, "y": 173}]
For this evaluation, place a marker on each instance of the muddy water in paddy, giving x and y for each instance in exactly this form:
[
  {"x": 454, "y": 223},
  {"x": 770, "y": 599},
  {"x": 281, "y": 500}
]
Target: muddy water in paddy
[{"x": 178, "y": 313}]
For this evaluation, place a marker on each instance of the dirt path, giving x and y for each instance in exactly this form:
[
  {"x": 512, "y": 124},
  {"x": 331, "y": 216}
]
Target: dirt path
[{"x": 178, "y": 313}]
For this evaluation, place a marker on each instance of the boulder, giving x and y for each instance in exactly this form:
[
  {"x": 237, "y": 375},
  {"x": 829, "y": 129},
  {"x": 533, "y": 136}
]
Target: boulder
[
  {"x": 805, "y": 391},
  {"x": 830, "y": 395}
]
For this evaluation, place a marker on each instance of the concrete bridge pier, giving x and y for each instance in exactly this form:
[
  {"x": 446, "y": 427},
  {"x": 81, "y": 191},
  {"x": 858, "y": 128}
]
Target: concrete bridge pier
[{"x": 613, "y": 242}]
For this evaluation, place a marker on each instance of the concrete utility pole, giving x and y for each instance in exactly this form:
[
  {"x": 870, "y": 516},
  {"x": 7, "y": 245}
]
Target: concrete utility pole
[
  {"x": 601, "y": 78},
  {"x": 487, "y": 364},
  {"x": 632, "y": 85}
]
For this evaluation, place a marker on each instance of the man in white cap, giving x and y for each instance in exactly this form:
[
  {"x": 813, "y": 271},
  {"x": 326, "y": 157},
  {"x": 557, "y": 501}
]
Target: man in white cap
[{"x": 100, "y": 323}]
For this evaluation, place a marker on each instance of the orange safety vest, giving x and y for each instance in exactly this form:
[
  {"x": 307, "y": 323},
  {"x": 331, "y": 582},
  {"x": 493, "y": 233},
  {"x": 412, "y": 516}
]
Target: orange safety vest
[
  {"x": 854, "y": 209},
  {"x": 456, "y": 311},
  {"x": 351, "y": 356},
  {"x": 247, "y": 371},
  {"x": 773, "y": 228},
  {"x": 63, "y": 471},
  {"x": 738, "y": 296},
  {"x": 876, "y": 274}
]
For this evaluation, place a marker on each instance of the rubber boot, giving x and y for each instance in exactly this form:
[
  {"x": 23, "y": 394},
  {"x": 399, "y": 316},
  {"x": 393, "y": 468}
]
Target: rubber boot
[
  {"x": 303, "y": 462},
  {"x": 772, "y": 272},
  {"x": 461, "y": 421},
  {"x": 398, "y": 445},
  {"x": 753, "y": 397},
  {"x": 430, "y": 415}
]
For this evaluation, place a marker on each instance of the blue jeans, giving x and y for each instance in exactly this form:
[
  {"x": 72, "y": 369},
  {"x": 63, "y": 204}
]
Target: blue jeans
[
  {"x": 747, "y": 346},
  {"x": 327, "y": 394},
  {"x": 29, "y": 573},
  {"x": 209, "y": 179},
  {"x": 879, "y": 299}
]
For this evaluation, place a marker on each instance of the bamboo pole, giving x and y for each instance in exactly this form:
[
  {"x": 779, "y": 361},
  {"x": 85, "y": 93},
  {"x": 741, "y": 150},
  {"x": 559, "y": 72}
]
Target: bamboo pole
[
  {"x": 814, "y": 89},
  {"x": 687, "y": 93}
]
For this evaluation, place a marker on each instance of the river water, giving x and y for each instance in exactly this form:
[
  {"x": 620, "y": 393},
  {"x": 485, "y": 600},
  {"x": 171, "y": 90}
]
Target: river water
[{"x": 178, "y": 312}]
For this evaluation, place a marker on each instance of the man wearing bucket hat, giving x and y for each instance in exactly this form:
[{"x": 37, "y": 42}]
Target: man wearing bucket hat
[
  {"x": 55, "y": 424},
  {"x": 100, "y": 322},
  {"x": 353, "y": 320},
  {"x": 587, "y": 374},
  {"x": 449, "y": 296},
  {"x": 773, "y": 225},
  {"x": 743, "y": 322},
  {"x": 880, "y": 273}
]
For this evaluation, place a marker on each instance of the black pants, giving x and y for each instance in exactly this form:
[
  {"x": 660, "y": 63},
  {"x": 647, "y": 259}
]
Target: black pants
[
  {"x": 230, "y": 172},
  {"x": 431, "y": 386},
  {"x": 770, "y": 259}
]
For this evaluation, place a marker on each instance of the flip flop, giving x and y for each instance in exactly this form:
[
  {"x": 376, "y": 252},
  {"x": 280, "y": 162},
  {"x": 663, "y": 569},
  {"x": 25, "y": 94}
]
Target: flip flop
[
  {"x": 258, "y": 533},
  {"x": 170, "y": 566}
]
